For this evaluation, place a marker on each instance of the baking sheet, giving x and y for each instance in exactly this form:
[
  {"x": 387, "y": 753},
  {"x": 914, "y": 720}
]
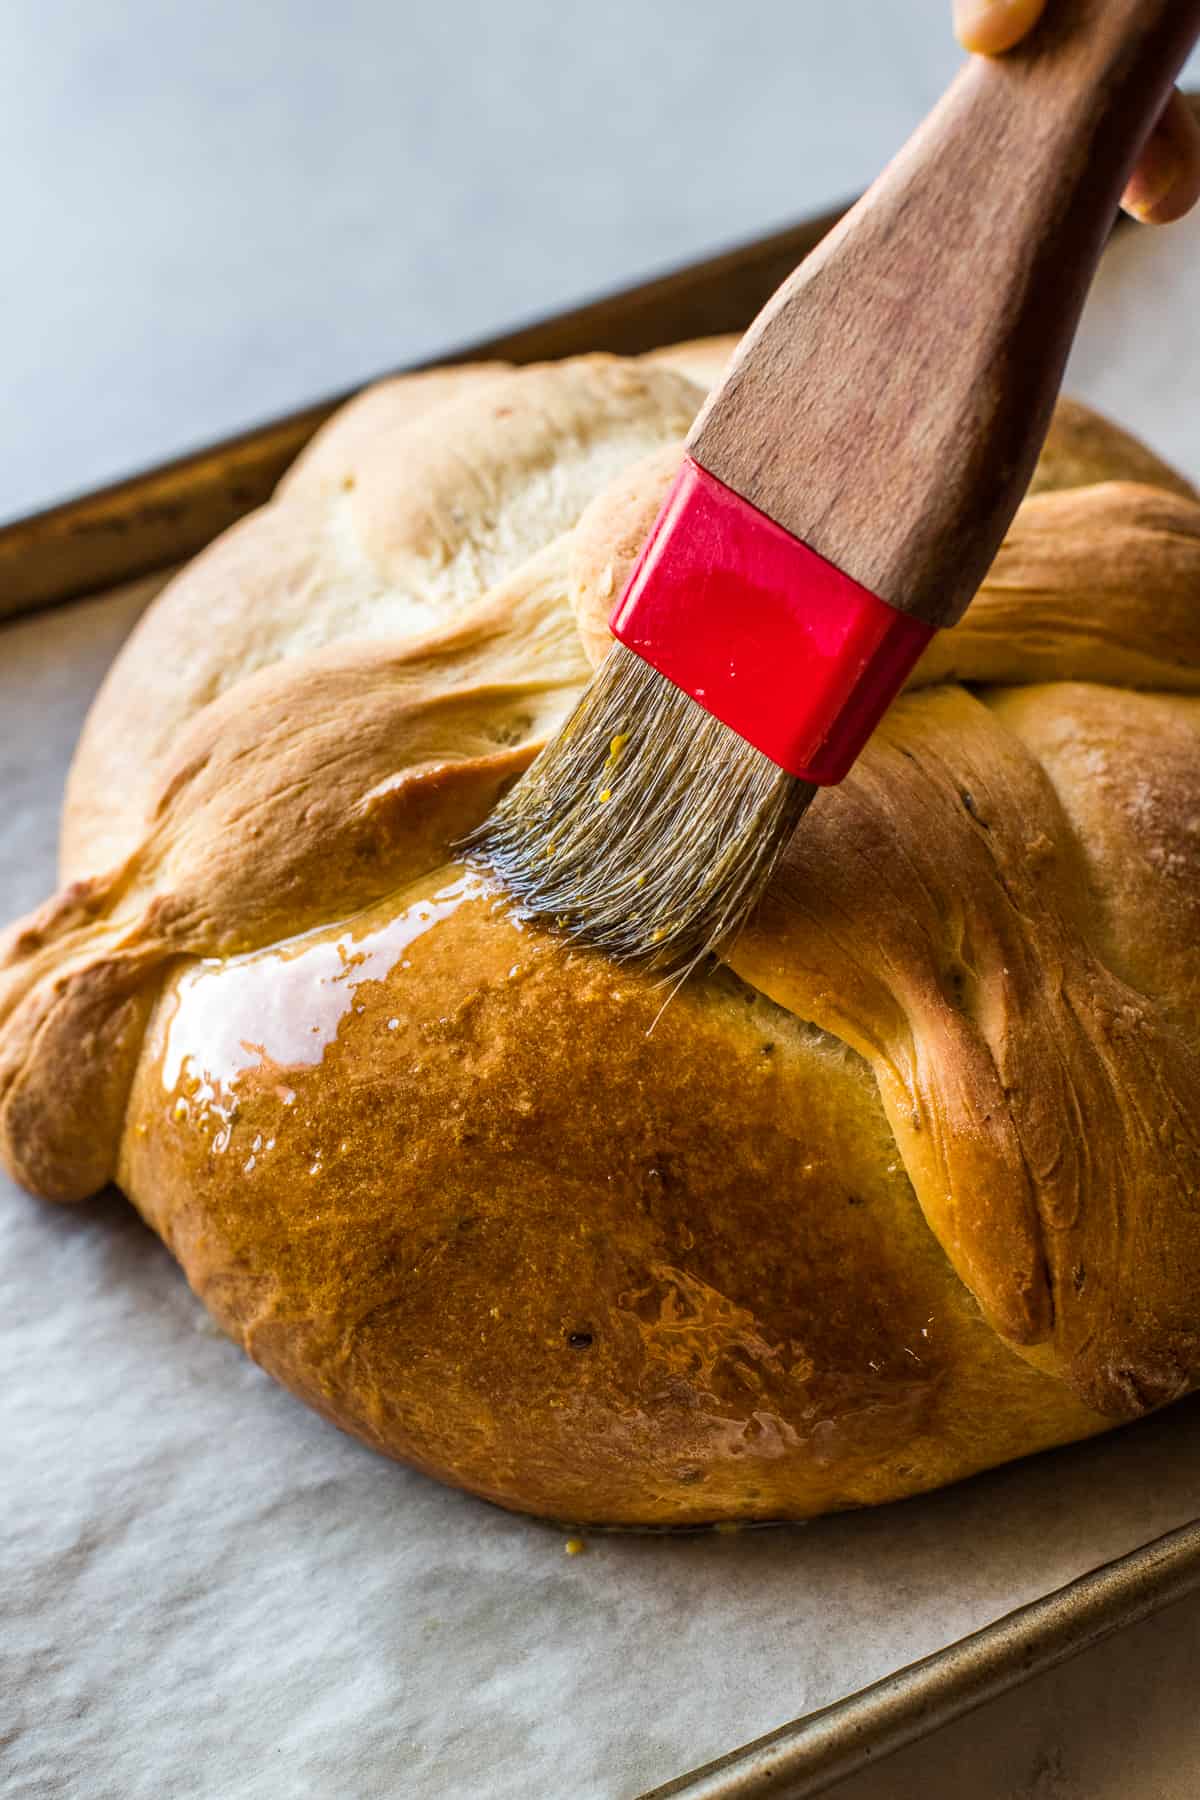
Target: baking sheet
[{"x": 207, "y": 1592}]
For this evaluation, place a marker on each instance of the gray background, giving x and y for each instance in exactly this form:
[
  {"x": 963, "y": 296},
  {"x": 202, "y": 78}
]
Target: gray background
[
  {"x": 217, "y": 209},
  {"x": 212, "y": 213}
]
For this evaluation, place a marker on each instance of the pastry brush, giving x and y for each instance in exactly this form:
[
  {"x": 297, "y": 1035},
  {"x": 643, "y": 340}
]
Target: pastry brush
[{"x": 841, "y": 496}]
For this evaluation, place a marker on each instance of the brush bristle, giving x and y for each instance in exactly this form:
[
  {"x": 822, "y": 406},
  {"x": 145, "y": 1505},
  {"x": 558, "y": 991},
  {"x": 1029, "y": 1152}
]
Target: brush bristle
[{"x": 646, "y": 827}]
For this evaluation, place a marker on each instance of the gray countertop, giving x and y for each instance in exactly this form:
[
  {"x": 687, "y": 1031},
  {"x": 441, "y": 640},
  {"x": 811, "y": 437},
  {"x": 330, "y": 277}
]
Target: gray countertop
[{"x": 216, "y": 212}]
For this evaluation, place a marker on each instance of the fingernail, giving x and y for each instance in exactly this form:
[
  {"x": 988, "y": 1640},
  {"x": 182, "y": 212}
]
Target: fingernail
[
  {"x": 1158, "y": 170},
  {"x": 989, "y": 27}
]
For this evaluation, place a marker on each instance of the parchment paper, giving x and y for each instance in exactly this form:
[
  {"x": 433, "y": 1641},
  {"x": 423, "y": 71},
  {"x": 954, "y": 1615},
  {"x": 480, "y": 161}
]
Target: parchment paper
[{"x": 208, "y": 1594}]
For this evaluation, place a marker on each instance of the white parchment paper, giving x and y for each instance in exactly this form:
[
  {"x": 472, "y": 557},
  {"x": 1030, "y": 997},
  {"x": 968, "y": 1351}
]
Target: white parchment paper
[{"x": 208, "y": 1594}]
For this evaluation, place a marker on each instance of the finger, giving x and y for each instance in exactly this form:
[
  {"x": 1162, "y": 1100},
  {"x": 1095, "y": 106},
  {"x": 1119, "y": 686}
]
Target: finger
[
  {"x": 1166, "y": 181},
  {"x": 988, "y": 27}
]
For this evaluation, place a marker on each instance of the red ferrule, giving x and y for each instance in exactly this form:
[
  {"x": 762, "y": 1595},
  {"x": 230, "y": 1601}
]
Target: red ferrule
[{"x": 797, "y": 658}]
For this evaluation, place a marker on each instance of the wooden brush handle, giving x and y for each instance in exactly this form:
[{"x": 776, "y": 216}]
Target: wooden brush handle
[{"x": 889, "y": 403}]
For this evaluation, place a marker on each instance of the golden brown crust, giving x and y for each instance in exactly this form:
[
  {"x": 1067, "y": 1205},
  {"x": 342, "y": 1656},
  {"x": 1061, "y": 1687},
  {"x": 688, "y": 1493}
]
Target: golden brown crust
[
  {"x": 911, "y": 1192},
  {"x": 469, "y": 1196},
  {"x": 936, "y": 914},
  {"x": 1082, "y": 449},
  {"x": 1091, "y": 584}
]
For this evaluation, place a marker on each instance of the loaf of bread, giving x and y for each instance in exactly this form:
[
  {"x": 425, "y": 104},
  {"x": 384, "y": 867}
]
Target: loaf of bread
[{"x": 907, "y": 1187}]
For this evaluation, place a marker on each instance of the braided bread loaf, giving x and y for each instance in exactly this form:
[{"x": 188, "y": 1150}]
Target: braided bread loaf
[{"x": 910, "y": 1187}]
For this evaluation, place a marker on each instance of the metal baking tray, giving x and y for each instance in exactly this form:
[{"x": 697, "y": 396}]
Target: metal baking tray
[{"x": 155, "y": 520}]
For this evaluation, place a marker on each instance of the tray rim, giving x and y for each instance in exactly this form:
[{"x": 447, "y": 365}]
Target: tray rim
[
  {"x": 150, "y": 520},
  {"x": 821, "y": 1749},
  {"x": 89, "y": 544}
]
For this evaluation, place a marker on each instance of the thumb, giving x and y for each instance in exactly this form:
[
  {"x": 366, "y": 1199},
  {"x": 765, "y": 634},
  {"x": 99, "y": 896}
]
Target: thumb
[{"x": 989, "y": 26}]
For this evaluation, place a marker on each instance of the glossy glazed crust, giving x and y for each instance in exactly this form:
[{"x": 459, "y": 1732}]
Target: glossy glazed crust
[
  {"x": 909, "y": 1190},
  {"x": 587, "y": 1263}
]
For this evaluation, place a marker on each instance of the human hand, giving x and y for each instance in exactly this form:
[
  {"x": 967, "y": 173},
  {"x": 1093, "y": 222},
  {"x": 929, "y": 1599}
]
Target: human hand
[{"x": 1166, "y": 182}]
